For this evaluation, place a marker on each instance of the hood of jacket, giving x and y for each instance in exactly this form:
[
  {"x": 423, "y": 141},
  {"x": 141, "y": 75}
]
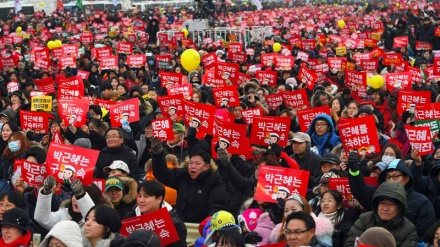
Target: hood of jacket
[
  {"x": 324, "y": 117},
  {"x": 391, "y": 190},
  {"x": 399, "y": 165},
  {"x": 66, "y": 231},
  {"x": 130, "y": 189}
]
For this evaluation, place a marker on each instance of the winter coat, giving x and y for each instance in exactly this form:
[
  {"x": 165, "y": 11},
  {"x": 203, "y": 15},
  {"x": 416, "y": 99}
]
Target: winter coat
[
  {"x": 178, "y": 223},
  {"x": 48, "y": 219},
  {"x": 419, "y": 208},
  {"x": 180, "y": 150},
  {"x": 170, "y": 193},
  {"x": 310, "y": 162},
  {"x": 325, "y": 143},
  {"x": 429, "y": 186},
  {"x": 143, "y": 154},
  {"x": 108, "y": 155},
  {"x": 196, "y": 199},
  {"x": 315, "y": 243},
  {"x": 112, "y": 240},
  {"x": 67, "y": 231},
  {"x": 323, "y": 231},
  {"x": 264, "y": 227},
  {"x": 401, "y": 228},
  {"x": 129, "y": 198}
]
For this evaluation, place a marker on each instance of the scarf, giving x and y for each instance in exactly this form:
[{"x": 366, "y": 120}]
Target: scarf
[
  {"x": 19, "y": 242},
  {"x": 321, "y": 141},
  {"x": 332, "y": 217}
]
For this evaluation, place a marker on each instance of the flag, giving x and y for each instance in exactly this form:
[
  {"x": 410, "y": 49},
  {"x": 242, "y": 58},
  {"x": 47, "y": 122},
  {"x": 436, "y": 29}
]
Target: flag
[
  {"x": 17, "y": 6},
  {"x": 79, "y": 4},
  {"x": 60, "y": 5},
  {"x": 115, "y": 2}
]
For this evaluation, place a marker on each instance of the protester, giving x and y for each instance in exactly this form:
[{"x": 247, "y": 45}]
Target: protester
[
  {"x": 101, "y": 227},
  {"x": 15, "y": 228},
  {"x": 300, "y": 230},
  {"x": 65, "y": 233}
]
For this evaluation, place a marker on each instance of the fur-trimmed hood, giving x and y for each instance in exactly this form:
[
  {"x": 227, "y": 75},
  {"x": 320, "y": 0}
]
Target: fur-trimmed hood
[{"x": 130, "y": 189}]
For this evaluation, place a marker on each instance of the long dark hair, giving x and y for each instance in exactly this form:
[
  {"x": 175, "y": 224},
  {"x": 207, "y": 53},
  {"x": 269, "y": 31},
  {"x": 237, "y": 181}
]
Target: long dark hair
[
  {"x": 338, "y": 199},
  {"x": 231, "y": 237}
]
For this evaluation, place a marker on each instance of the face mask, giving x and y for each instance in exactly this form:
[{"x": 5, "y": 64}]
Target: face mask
[
  {"x": 13, "y": 146},
  {"x": 310, "y": 36},
  {"x": 387, "y": 159}
]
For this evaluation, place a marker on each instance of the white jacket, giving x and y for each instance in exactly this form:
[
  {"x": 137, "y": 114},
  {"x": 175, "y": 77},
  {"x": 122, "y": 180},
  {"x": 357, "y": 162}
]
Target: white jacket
[
  {"x": 48, "y": 219},
  {"x": 66, "y": 231}
]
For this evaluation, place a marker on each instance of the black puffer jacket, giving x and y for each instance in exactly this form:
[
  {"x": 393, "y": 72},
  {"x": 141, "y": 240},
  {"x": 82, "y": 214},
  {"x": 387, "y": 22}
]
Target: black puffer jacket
[
  {"x": 108, "y": 155},
  {"x": 196, "y": 199},
  {"x": 429, "y": 186}
]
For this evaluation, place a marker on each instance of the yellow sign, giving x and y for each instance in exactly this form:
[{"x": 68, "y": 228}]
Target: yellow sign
[
  {"x": 26, "y": 36},
  {"x": 375, "y": 36},
  {"x": 146, "y": 96},
  {"x": 113, "y": 33},
  {"x": 225, "y": 44},
  {"x": 41, "y": 103},
  {"x": 341, "y": 51}
]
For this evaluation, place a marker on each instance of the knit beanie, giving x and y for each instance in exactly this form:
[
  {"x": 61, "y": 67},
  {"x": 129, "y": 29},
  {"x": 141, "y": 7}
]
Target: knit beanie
[
  {"x": 142, "y": 238},
  {"x": 365, "y": 109},
  {"x": 378, "y": 236}
]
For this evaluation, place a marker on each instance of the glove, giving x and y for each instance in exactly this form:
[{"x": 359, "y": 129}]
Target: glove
[
  {"x": 281, "y": 203},
  {"x": 252, "y": 238},
  {"x": 156, "y": 146},
  {"x": 191, "y": 132},
  {"x": 48, "y": 185},
  {"x": 126, "y": 126},
  {"x": 77, "y": 187},
  {"x": 223, "y": 156},
  {"x": 353, "y": 161}
]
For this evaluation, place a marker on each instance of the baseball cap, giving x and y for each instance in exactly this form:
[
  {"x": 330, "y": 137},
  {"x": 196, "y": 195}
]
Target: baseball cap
[
  {"x": 113, "y": 182},
  {"x": 117, "y": 164},
  {"x": 221, "y": 220},
  {"x": 301, "y": 137},
  {"x": 178, "y": 128},
  {"x": 331, "y": 158}
]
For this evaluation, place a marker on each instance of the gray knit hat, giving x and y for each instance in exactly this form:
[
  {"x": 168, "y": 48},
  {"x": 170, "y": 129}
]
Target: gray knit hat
[{"x": 378, "y": 236}]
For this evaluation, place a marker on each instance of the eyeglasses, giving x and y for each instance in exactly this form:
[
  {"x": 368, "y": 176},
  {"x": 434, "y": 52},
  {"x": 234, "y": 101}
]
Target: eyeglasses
[
  {"x": 328, "y": 201},
  {"x": 54, "y": 126},
  {"x": 393, "y": 177},
  {"x": 112, "y": 137},
  {"x": 294, "y": 233},
  {"x": 320, "y": 125}
]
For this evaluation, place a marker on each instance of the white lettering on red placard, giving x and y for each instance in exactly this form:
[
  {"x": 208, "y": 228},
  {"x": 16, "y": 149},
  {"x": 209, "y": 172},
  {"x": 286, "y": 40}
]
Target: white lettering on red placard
[
  {"x": 267, "y": 78},
  {"x": 163, "y": 129},
  {"x": 296, "y": 99},
  {"x": 274, "y": 100},
  {"x": 409, "y": 99},
  {"x": 359, "y": 135},
  {"x": 168, "y": 79},
  {"x": 226, "y": 96},
  {"x": 125, "y": 112},
  {"x": 420, "y": 139},
  {"x": 185, "y": 90},
  {"x": 401, "y": 80},
  {"x": 124, "y": 47},
  {"x": 171, "y": 105},
  {"x": 110, "y": 62},
  {"x": 342, "y": 186},
  {"x": 68, "y": 61},
  {"x": 248, "y": 115},
  {"x": 232, "y": 137},
  {"x": 270, "y": 130},
  {"x": 69, "y": 50},
  {"x": 307, "y": 76},
  {"x": 33, "y": 173},
  {"x": 136, "y": 61},
  {"x": 73, "y": 112},
  {"x": 227, "y": 71},
  {"x": 35, "y": 121},
  {"x": 209, "y": 61},
  {"x": 306, "y": 116},
  {"x": 199, "y": 116},
  {"x": 427, "y": 111}
]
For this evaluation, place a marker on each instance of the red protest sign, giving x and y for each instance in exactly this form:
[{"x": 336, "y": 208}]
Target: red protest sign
[
  {"x": 86, "y": 38},
  {"x": 199, "y": 116},
  {"x": 185, "y": 90},
  {"x": 171, "y": 105},
  {"x": 335, "y": 63},
  {"x": 105, "y": 51},
  {"x": 274, "y": 100},
  {"x": 125, "y": 112},
  {"x": 110, "y": 62},
  {"x": 40, "y": 52},
  {"x": 248, "y": 115},
  {"x": 268, "y": 59},
  {"x": 67, "y": 61},
  {"x": 417, "y": 75},
  {"x": 392, "y": 58},
  {"x": 436, "y": 67},
  {"x": 158, "y": 221},
  {"x": 83, "y": 74},
  {"x": 400, "y": 42},
  {"x": 306, "y": 116},
  {"x": 303, "y": 56},
  {"x": 284, "y": 62},
  {"x": 69, "y": 50},
  {"x": 269, "y": 130},
  {"x": 420, "y": 139},
  {"x": 428, "y": 111},
  {"x": 163, "y": 129},
  {"x": 42, "y": 63},
  {"x": 74, "y": 81},
  {"x": 33, "y": 173},
  {"x": 67, "y": 162},
  {"x": 267, "y": 78},
  {"x": 421, "y": 45},
  {"x": 209, "y": 60},
  {"x": 168, "y": 79},
  {"x": 57, "y": 53},
  {"x": 124, "y": 47},
  {"x": 226, "y": 96},
  {"x": 296, "y": 99},
  {"x": 210, "y": 78},
  {"x": 342, "y": 186},
  {"x": 136, "y": 61},
  {"x": 35, "y": 121},
  {"x": 237, "y": 57},
  {"x": 45, "y": 85},
  {"x": 356, "y": 79},
  {"x": 401, "y": 80},
  {"x": 100, "y": 182},
  {"x": 281, "y": 244},
  {"x": 279, "y": 182},
  {"x": 9, "y": 62},
  {"x": 73, "y": 111},
  {"x": 408, "y": 99},
  {"x": 242, "y": 79},
  {"x": 70, "y": 92},
  {"x": 232, "y": 137},
  {"x": 307, "y": 76},
  {"x": 437, "y": 32},
  {"x": 235, "y": 47},
  {"x": 106, "y": 104},
  {"x": 359, "y": 134},
  {"x": 369, "y": 64},
  {"x": 228, "y": 71}
]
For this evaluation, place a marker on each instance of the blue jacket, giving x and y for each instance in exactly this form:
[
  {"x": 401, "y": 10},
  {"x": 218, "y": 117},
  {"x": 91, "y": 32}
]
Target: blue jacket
[{"x": 326, "y": 143}]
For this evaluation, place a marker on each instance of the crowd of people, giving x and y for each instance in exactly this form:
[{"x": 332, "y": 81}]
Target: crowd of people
[{"x": 201, "y": 183}]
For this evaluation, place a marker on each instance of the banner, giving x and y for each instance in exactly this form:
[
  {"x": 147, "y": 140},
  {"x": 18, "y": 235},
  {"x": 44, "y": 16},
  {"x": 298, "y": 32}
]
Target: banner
[
  {"x": 427, "y": 111},
  {"x": 307, "y": 76},
  {"x": 163, "y": 129},
  {"x": 74, "y": 81},
  {"x": 33, "y": 174},
  {"x": 279, "y": 182},
  {"x": 433, "y": 125},
  {"x": 110, "y": 62},
  {"x": 306, "y": 116},
  {"x": 124, "y": 47},
  {"x": 284, "y": 62},
  {"x": 136, "y": 61},
  {"x": 248, "y": 115},
  {"x": 228, "y": 71},
  {"x": 401, "y": 80},
  {"x": 73, "y": 111},
  {"x": 42, "y": 64},
  {"x": 232, "y": 137},
  {"x": 158, "y": 221},
  {"x": 67, "y": 162},
  {"x": 168, "y": 79},
  {"x": 356, "y": 79},
  {"x": 171, "y": 106},
  {"x": 342, "y": 186},
  {"x": 408, "y": 99},
  {"x": 420, "y": 46},
  {"x": 106, "y": 104},
  {"x": 184, "y": 90},
  {"x": 392, "y": 58},
  {"x": 420, "y": 138},
  {"x": 38, "y": 122},
  {"x": 296, "y": 99},
  {"x": 199, "y": 116},
  {"x": 359, "y": 134},
  {"x": 41, "y": 103},
  {"x": 270, "y": 130},
  {"x": 225, "y": 97},
  {"x": 45, "y": 85},
  {"x": 83, "y": 74},
  {"x": 124, "y": 113}
]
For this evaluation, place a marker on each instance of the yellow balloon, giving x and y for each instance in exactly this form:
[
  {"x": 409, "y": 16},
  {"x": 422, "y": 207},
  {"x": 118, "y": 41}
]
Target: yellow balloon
[
  {"x": 51, "y": 44},
  {"x": 341, "y": 23},
  {"x": 276, "y": 47},
  {"x": 42, "y": 4},
  {"x": 58, "y": 43},
  {"x": 397, "y": 5},
  {"x": 19, "y": 29},
  {"x": 377, "y": 81},
  {"x": 190, "y": 59},
  {"x": 185, "y": 32}
]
